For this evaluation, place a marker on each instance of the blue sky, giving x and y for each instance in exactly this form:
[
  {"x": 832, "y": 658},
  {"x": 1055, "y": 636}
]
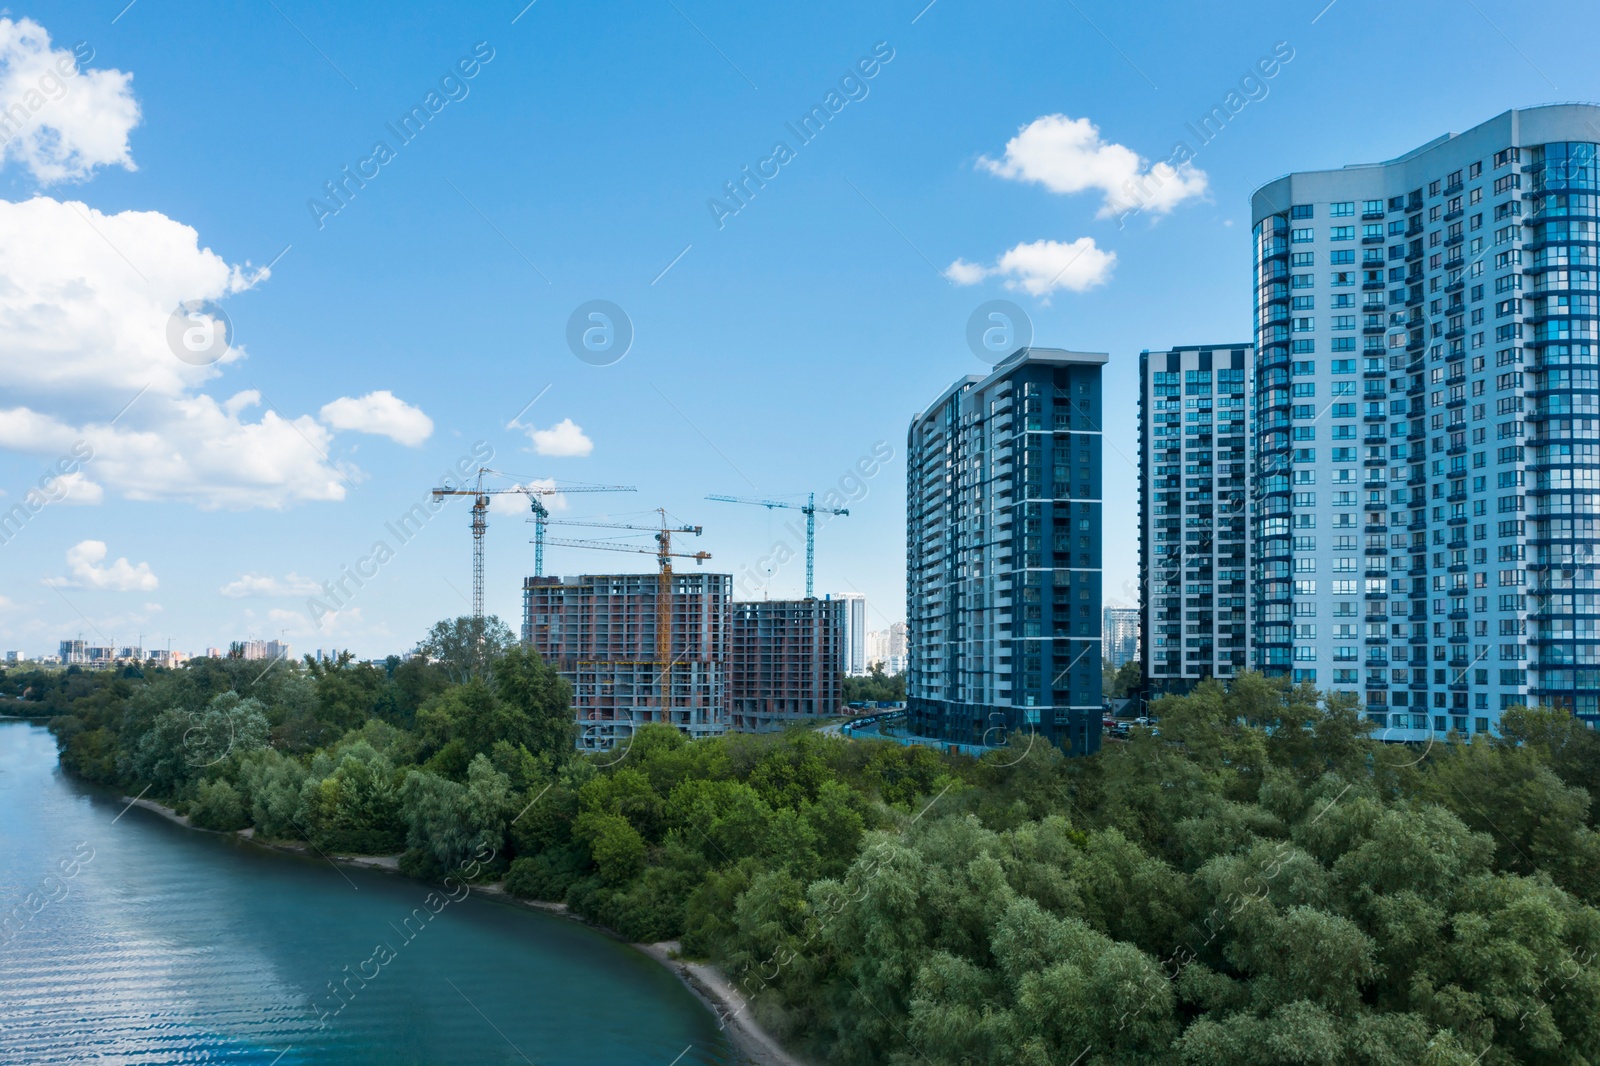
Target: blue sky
[{"x": 417, "y": 322}]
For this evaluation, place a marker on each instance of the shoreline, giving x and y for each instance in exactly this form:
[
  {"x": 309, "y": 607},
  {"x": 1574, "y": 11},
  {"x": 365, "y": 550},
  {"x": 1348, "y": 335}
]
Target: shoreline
[{"x": 703, "y": 980}]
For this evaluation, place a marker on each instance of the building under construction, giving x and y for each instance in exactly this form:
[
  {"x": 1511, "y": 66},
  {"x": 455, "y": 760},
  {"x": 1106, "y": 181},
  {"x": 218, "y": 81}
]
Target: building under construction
[
  {"x": 752, "y": 667},
  {"x": 600, "y": 632},
  {"x": 786, "y": 658}
]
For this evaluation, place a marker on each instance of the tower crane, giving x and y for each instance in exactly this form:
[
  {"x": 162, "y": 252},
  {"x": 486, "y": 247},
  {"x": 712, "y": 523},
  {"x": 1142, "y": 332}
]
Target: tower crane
[
  {"x": 480, "y": 519},
  {"x": 664, "y": 556},
  {"x": 809, "y": 509}
]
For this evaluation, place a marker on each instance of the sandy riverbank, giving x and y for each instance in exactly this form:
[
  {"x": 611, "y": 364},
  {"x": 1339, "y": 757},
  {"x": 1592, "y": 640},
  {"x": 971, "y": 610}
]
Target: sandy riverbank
[
  {"x": 723, "y": 999},
  {"x": 705, "y": 981}
]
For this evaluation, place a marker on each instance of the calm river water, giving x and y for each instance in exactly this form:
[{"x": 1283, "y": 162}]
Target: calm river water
[{"x": 127, "y": 939}]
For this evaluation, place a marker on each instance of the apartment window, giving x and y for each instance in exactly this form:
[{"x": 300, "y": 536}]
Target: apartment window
[
  {"x": 1342, "y": 233},
  {"x": 1302, "y": 259},
  {"x": 1342, "y": 209},
  {"x": 1303, "y": 236},
  {"x": 1301, "y": 211}
]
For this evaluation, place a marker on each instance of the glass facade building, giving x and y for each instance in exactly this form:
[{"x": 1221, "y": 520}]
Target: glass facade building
[
  {"x": 1003, "y": 560},
  {"x": 1427, "y": 425},
  {"x": 1194, "y": 510}
]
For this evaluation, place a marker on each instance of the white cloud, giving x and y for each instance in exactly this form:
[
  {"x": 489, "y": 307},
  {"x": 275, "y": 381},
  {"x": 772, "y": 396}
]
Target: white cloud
[
  {"x": 84, "y": 558},
  {"x": 267, "y": 585},
  {"x": 565, "y": 438},
  {"x": 76, "y": 488},
  {"x": 342, "y": 622},
  {"x": 77, "y": 318},
  {"x": 191, "y": 449},
  {"x": 60, "y": 121},
  {"x": 381, "y": 413},
  {"x": 83, "y": 332},
  {"x": 1042, "y": 267},
  {"x": 1066, "y": 155}
]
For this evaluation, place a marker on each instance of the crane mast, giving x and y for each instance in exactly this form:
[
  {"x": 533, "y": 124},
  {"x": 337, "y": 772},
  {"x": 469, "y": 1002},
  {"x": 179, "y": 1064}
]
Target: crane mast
[
  {"x": 810, "y": 509},
  {"x": 480, "y": 520}
]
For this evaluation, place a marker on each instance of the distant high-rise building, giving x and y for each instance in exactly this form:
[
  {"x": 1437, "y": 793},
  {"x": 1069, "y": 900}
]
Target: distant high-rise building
[
  {"x": 14, "y": 657},
  {"x": 877, "y": 646},
  {"x": 784, "y": 660},
  {"x": 1427, "y": 475},
  {"x": 854, "y": 661},
  {"x": 1003, "y": 555},
  {"x": 74, "y": 651},
  {"x": 1119, "y": 634},
  {"x": 1194, "y": 534},
  {"x": 263, "y": 649}
]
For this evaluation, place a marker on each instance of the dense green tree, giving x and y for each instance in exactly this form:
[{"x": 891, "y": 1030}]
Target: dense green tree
[
  {"x": 1262, "y": 882},
  {"x": 467, "y": 647},
  {"x": 875, "y": 686}
]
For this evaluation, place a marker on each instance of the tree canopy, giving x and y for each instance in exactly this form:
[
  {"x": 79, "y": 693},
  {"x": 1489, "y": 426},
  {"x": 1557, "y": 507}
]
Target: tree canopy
[{"x": 1262, "y": 883}]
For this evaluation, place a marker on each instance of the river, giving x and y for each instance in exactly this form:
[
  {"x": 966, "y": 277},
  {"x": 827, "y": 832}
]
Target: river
[{"x": 125, "y": 938}]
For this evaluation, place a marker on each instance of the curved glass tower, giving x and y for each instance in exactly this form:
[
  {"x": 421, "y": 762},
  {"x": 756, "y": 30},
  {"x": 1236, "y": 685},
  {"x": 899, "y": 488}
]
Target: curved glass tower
[{"x": 1427, "y": 425}]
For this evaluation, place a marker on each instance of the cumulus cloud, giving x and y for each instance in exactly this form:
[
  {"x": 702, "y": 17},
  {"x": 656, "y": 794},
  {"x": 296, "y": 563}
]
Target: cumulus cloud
[
  {"x": 565, "y": 438},
  {"x": 1066, "y": 155},
  {"x": 86, "y": 297},
  {"x": 381, "y": 413},
  {"x": 84, "y": 559},
  {"x": 83, "y": 331},
  {"x": 267, "y": 585},
  {"x": 194, "y": 449},
  {"x": 1042, "y": 267},
  {"x": 59, "y": 120},
  {"x": 76, "y": 488}
]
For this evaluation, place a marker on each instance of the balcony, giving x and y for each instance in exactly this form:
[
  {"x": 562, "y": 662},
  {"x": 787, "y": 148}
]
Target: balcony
[{"x": 1371, "y": 216}]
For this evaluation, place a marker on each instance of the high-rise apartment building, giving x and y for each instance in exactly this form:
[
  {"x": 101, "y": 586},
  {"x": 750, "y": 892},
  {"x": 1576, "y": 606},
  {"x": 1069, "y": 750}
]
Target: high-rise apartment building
[
  {"x": 1427, "y": 482},
  {"x": 1003, "y": 559},
  {"x": 1119, "y": 635},
  {"x": 599, "y": 632},
  {"x": 854, "y": 650},
  {"x": 784, "y": 660},
  {"x": 1194, "y": 510}
]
